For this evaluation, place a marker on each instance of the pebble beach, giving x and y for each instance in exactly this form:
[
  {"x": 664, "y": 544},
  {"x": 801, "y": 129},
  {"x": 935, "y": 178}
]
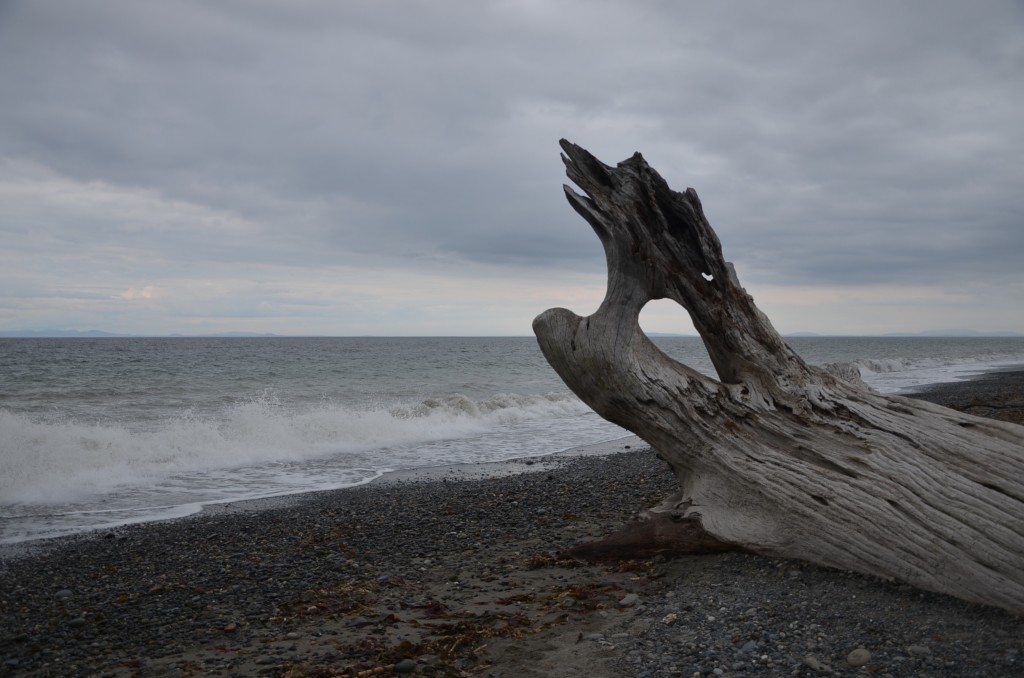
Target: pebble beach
[{"x": 456, "y": 572}]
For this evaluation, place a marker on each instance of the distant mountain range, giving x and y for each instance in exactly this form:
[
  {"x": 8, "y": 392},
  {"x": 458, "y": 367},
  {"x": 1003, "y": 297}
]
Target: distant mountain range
[
  {"x": 926, "y": 333},
  {"x": 86, "y": 334},
  {"x": 47, "y": 333},
  {"x": 953, "y": 333}
]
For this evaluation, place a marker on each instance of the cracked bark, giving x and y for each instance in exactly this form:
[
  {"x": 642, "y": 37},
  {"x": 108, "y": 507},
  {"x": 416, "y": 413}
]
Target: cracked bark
[{"x": 777, "y": 456}]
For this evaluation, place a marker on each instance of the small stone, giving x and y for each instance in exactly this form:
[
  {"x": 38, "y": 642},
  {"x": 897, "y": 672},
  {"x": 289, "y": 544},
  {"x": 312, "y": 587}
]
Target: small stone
[
  {"x": 749, "y": 647},
  {"x": 858, "y": 657},
  {"x": 77, "y": 622},
  {"x": 292, "y": 635},
  {"x": 629, "y": 600},
  {"x": 62, "y": 594},
  {"x": 230, "y": 628},
  {"x": 814, "y": 664},
  {"x": 918, "y": 651},
  {"x": 718, "y": 672},
  {"x": 405, "y": 666}
]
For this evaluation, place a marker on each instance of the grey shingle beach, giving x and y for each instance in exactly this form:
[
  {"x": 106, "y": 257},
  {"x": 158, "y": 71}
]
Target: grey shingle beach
[{"x": 452, "y": 573}]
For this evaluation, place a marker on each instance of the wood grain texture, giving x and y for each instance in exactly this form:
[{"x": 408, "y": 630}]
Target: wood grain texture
[{"x": 777, "y": 456}]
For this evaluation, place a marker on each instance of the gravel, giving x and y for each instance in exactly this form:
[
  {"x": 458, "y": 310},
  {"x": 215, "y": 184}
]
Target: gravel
[
  {"x": 352, "y": 579},
  {"x": 118, "y": 601},
  {"x": 744, "y": 615}
]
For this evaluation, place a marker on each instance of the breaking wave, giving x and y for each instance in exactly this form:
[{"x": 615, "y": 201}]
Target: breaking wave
[
  {"x": 893, "y": 375},
  {"x": 55, "y": 460}
]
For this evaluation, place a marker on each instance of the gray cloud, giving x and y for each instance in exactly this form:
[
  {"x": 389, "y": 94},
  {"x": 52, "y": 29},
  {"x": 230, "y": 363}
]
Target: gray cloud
[{"x": 859, "y": 144}]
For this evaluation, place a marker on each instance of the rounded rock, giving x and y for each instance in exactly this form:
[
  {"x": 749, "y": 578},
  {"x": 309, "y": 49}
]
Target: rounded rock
[
  {"x": 858, "y": 657},
  {"x": 405, "y": 666},
  {"x": 629, "y": 600},
  {"x": 815, "y": 664}
]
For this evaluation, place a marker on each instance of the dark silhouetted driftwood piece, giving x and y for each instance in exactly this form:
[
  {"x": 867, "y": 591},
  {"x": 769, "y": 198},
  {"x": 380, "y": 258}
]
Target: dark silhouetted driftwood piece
[{"x": 777, "y": 456}]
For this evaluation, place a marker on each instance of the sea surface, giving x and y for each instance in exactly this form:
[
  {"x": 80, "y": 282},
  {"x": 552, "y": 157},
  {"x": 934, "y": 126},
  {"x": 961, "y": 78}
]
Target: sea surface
[{"x": 101, "y": 432}]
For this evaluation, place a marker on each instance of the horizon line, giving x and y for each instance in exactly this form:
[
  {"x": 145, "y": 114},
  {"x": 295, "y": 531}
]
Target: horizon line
[{"x": 101, "y": 334}]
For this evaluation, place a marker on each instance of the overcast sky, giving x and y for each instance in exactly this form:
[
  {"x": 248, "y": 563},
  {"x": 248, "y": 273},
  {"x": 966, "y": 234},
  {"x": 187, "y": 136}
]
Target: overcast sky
[{"x": 392, "y": 168}]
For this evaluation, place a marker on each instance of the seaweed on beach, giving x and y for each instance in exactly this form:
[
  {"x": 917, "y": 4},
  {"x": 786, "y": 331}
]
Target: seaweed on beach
[{"x": 539, "y": 561}]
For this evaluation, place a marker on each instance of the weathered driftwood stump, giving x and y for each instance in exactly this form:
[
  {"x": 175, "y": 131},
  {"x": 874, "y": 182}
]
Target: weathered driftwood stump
[{"x": 779, "y": 457}]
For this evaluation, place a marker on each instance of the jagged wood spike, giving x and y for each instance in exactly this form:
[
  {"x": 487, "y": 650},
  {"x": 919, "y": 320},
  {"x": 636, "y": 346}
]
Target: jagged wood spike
[{"x": 777, "y": 456}]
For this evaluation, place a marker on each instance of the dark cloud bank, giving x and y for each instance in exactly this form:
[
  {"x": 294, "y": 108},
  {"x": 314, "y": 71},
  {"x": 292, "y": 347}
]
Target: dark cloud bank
[{"x": 858, "y": 144}]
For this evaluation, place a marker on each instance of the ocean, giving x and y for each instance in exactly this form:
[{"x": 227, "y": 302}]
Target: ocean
[{"x": 96, "y": 433}]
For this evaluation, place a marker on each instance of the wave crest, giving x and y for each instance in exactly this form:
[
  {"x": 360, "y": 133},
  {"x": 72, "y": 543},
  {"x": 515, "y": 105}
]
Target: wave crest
[{"x": 59, "y": 459}]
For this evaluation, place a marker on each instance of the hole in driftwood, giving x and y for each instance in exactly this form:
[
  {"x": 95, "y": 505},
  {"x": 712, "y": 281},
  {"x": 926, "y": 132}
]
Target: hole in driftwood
[
  {"x": 820, "y": 500},
  {"x": 669, "y": 326}
]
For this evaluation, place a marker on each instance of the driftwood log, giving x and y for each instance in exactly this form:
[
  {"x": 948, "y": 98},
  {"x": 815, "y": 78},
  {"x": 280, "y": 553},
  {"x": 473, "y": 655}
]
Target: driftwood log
[{"x": 778, "y": 457}]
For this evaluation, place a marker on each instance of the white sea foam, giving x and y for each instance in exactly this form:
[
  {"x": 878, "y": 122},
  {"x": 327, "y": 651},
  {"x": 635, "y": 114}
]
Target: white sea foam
[
  {"x": 55, "y": 461},
  {"x": 138, "y": 429},
  {"x": 901, "y": 375}
]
